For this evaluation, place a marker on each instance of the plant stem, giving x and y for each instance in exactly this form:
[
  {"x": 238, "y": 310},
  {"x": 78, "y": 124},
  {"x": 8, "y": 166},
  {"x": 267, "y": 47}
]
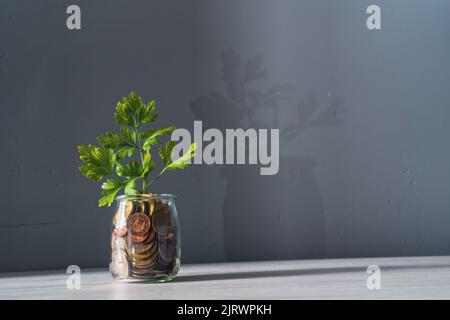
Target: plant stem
[
  {"x": 144, "y": 185},
  {"x": 138, "y": 137},
  {"x": 154, "y": 180}
]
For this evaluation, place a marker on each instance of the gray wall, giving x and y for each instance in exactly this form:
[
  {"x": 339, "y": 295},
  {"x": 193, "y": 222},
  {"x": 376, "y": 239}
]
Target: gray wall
[{"x": 365, "y": 124}]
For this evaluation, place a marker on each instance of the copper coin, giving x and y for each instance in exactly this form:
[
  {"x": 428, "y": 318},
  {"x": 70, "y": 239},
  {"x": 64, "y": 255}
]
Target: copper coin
[
  {"x": 141, "y": 251},
  {"x": 146, "y": 276},
  {"x": 165, "y": 251},
  {"x": 161, "y": 223},
  {"x": 136, "y": 238},
  {"x": 150, "y": 251},
  {"x": 142, "y": 271},
  {"x": 138, "y": 223},
  {"x": 161, "y": 206},
  {"x": 170, "y": 236},
  {"x": 142, "y": 247},
  {"x": 138, "y": 270}
]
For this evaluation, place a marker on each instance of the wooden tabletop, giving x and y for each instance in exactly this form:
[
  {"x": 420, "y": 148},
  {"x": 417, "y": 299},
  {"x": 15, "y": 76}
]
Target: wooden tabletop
[{"x": 400, "y": 278}]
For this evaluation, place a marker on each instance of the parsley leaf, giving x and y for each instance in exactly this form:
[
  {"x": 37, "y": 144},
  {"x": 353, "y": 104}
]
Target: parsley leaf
[
  {"x": 110, "y": 140},
  {"x": 150, "y": 136},
  {"x": 110, "y": 189},
  {"x": 105, "y": 162},
  {"x": 98, "y": 161},
  {"x": 182, "y": 162}
]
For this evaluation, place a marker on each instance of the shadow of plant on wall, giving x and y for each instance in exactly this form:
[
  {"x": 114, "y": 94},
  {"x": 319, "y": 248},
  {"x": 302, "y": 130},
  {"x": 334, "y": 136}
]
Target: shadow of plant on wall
[{"x": 268, "y": 217}]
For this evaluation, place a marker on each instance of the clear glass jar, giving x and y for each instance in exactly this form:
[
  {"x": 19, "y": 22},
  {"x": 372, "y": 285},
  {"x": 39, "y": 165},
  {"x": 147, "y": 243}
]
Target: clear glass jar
[{"x": 145, "y": 240}]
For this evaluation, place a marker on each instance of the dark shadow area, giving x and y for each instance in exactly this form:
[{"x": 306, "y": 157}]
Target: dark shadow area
[
  {"x": 268, "y": 217},
  {"x": 294, "y": 272}
]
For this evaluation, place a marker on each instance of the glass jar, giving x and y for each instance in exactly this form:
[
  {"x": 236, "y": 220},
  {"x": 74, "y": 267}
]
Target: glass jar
[{"x": 145, "y": 240}]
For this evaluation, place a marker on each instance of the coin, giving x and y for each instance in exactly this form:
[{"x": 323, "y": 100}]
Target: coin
[
  {"x": 143, "y": 251},
  {"x": 151, "y": 237},
  {"x": 161, "y": 206},
  {"x": 141, "y": 206},
  {"x": 142, "y": 272},
  {"x": 137, "y": 238},
  {"x": 144, "y": 246},
  {"x": 137, "y": 256},
  {"x": 151, "y": 206},
  {"x": 147, "y": 240},
  {"x": 161, "y": 270},
  {"x": 161, "y": 223},
  {"x": 126, "y": 207},
  {"x": 146, "y": 264},
  {"x": 143, "y": 260},
  {"x": 137, "y": 270},
  {"x": 151, "y": 203},
  {"x": 170, "y": 236},
  {"x": 165, "y": 250},
  {"x": 138, "y": 223}
]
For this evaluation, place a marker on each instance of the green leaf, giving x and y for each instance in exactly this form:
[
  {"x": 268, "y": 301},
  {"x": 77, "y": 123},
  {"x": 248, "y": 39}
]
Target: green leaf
[
  {"x": 148, "y": 143},
  {"x": 127, "y": 151},
  {"x": 147, "y": 133},
  {"x": 129, "y": 136},
  {"x": 110, "y": 140},
  {"x": 98, "y": 161},
  {"x": 134, "y": 103},
  {"x": 123, "y": 115},
  {"x": 150, "y": 136},
  {"x": 131, "y": 170},
  {"x": 97, "y": 155},
  {"x": 93, "y": 172},
  {"x": 165, "y": 152},
  {"x": 148, "y": 113},
  {"x": 132, "y": 111},
  {"x": 183, "y": 162},
  {"x": 103, "y": 162},
  {"x": 111, "y": 184},
  {"x": 110, "y": 189},
  {"x": 148, "y": 164},
  {"x": 130, "y": 187},
  {"x": 120, "y": 169}
]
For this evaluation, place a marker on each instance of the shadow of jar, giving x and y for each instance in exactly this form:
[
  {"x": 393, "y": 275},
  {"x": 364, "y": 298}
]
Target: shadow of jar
[{"x": 273, "y": 217}]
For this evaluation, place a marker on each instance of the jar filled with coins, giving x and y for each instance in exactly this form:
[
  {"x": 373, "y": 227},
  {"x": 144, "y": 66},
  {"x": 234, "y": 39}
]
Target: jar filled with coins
[{"x": 145, "y": 240}]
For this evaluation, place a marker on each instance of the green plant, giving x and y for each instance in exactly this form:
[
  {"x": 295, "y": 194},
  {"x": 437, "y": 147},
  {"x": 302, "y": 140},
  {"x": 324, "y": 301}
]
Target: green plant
[{"x": 107, "y": 161}]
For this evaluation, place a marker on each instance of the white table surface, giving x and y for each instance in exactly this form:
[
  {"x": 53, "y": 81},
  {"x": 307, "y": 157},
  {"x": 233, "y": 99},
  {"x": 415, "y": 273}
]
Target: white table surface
[{"x": 401, "y": 278}]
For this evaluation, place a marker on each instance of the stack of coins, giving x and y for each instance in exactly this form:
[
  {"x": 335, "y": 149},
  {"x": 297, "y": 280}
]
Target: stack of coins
[
  {"x": 164, "y": 229},
  {"x": 143, "y": 240}
]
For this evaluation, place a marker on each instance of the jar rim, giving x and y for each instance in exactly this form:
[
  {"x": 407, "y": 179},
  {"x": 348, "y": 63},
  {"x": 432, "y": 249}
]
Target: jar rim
[{"x": 157, "y": 196}]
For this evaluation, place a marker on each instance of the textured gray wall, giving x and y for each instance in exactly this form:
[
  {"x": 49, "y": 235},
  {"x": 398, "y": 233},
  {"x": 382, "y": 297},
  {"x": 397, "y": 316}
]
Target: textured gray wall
[{"x": 364, "y": 168}]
